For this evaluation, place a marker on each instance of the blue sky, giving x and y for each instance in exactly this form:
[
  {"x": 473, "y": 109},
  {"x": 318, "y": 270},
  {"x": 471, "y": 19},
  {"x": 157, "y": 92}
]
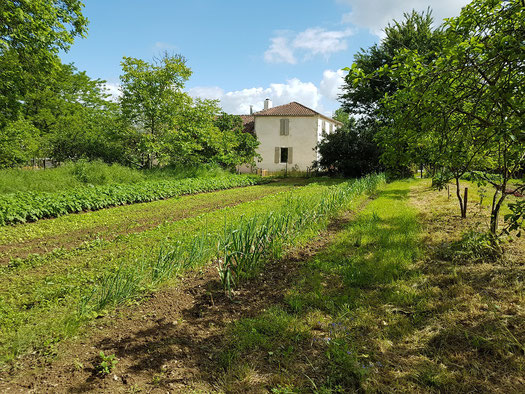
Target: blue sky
[{"x": 243, "y": 51}]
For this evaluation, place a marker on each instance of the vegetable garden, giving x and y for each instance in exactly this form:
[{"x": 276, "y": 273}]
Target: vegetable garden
[
  {"x": 48, "y": 298},
  {"x": 31, "y": 206}
]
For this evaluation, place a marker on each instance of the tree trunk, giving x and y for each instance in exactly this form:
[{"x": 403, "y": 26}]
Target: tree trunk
[
  {"x": 462, "y": 205},
  {"x": 496, "y": 206}
]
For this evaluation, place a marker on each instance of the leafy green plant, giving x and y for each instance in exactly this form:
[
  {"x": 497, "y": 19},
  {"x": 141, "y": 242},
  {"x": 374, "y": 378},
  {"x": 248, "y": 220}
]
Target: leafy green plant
[
  {"x": 107, "y": 363},
  {"x": 475, "y": 246},
  {"x": 31, "y": 206},
  {"x": 515, "y": 220}
]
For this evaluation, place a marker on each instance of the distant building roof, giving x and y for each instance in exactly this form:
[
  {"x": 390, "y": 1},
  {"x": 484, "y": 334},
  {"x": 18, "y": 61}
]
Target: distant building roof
[
  {"x": 292, "y": 109},
  {"x": 248, "y": 123}
]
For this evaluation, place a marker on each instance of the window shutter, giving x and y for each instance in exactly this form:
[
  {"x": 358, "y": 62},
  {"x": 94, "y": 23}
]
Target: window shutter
[
  {"x": 277, "y": 154},
  {"x": 290, "y": 155},
  {"x": 283, "y": 127},
  {"x": 286, "y": 126}
]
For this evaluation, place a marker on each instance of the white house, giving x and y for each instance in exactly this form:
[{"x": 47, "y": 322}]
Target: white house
[{"x": 288, "y": 135}]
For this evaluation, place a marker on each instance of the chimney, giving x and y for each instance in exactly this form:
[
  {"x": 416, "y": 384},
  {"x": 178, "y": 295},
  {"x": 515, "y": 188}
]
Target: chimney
[
  {"x": 267, "y": 103},
  {"x": 251, "y": 109}
]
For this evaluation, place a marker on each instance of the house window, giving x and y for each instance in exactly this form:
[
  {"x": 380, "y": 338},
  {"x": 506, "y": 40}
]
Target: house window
[
  {"x": 284, "y": 155},
  {"x": 284, "y": 127}
]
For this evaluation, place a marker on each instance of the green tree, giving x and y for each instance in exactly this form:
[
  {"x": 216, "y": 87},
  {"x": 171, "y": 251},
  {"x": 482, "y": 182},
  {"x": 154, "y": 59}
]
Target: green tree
[
  {"x": 465, "y": 107},
  {"x": 151, "y": 98},
  {"x": 18, "y": 143},
  {"x": 236, "y": 146},
  {"x": 350, "y": 150},
  {"x": 366, "y": 83},
  {"x": 194, "y": 137},
  {"x": 205, "y": 134},
  {"x": 31, "y": 34},
  {"x": 40, "y": 25}
]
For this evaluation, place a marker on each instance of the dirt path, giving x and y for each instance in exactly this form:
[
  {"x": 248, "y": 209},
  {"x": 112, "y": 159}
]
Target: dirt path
[{"x": 169, "y": 343}]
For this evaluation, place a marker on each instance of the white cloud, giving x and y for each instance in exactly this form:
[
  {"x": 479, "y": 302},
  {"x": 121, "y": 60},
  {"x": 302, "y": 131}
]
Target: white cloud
[
  {"x": 320, "y": 97},
  {"x": 376, "y": 14},
  {"x": 319, "y": 41},
  {"x": 113, "y": 89},
  {"x": 239, "y": 101},
  {"x": 280, "y": 52},
  {"x": 285, "y": 47},
  {"x": 330, "y": 85}
]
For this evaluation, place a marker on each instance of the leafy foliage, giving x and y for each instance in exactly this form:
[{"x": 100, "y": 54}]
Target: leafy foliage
[
  {"x": 151, "y": 96},
  {"x": 366, "y": 85},
  {"x": 107, "y": 363},
  {"x": 17, "y": 143},
  {"x": 30, "y": 206},
  {"x": 350, "y": 150},
  {"x": 462, "y": 109},
  {"x": 31, "y": 34}
]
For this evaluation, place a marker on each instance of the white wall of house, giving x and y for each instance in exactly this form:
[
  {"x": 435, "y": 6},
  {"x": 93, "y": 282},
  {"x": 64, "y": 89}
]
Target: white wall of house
[{"x": 303, "y": 134}]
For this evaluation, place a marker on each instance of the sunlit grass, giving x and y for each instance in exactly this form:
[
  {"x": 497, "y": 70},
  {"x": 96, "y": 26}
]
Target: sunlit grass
[
  {"x": 81, "y": 173},
  {"x": 384, "y": 309}
]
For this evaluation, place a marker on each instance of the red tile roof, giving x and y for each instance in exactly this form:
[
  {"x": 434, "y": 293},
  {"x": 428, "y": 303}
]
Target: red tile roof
[
  {"x": 248, "y": 122},
  {"x": 292, "y": 109}
]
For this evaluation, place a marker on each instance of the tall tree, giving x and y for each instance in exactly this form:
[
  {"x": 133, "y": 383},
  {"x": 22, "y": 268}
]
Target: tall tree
[
  {"x": 366, "y": 84},
  {"x": 151, "y": 97},
  {"x": 31, "y": 34}
]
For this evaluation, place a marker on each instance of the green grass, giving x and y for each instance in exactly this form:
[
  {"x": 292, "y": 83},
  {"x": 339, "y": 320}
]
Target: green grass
[
  {"x": 81, "y": 173},
  {"x": 368, "y": 264},
  {"x": 40, "y": 300},
  {"x": 388, "y": 306}
]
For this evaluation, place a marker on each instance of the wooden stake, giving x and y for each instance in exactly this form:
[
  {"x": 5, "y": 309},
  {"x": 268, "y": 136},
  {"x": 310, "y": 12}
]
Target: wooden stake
[{"x": 465, "y": 199}]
